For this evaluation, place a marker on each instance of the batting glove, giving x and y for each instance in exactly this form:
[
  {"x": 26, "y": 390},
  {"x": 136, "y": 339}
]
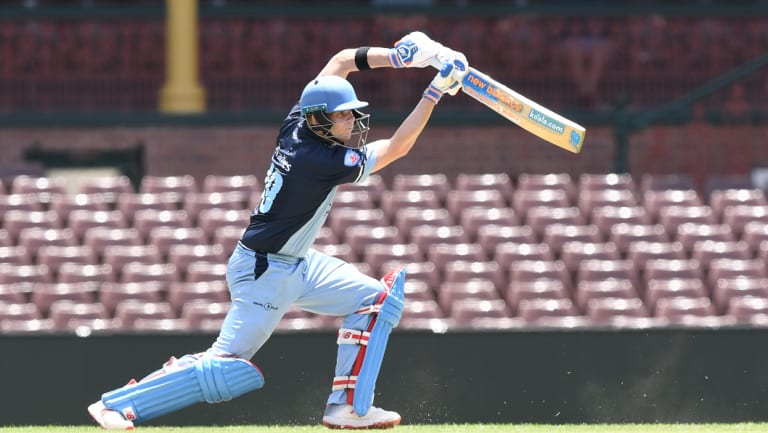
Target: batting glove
[
  {"x": 414, "y": 50},
  {"x": 448, "y": 80}
]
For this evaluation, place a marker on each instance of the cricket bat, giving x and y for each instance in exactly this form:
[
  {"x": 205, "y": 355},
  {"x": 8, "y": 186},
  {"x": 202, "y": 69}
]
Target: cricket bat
[{"x": 523, "y": 112}]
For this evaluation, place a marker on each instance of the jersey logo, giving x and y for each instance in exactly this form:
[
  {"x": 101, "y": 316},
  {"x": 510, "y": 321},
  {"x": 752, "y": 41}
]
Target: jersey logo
[
  {"x": 352, "y": 158},
  {"x": 281, "y": 159}
]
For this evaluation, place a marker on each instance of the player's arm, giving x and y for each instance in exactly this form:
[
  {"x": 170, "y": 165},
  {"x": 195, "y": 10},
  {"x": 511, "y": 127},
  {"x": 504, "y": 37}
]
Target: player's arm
[
  {"x": 414, "y": 50},
  {"x": 391, "y": 149}
]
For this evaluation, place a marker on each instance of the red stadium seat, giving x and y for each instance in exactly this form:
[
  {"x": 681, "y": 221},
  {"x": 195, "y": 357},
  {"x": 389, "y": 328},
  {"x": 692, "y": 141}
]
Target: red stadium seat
[
  {"x": 625, "y": 234},
  {"x": 80, "y": 221},
  {"x": 76, "y": 273},
  {"x": 176, "y": 184},
  {"x": 707, "y": 251},
  {"x": 573, "y": 253},
  {"x": 542, "y": 288},
  {"x": 536, "y": 310},
  {"x": 206, "y": 272},
  {"x": 63, "y": 204},
  {"x": 353, "y": 200},
  {"x": 145, "y": 221},
  {"x": 228, "y": 183},
  {"x": 608, "y": 216},
  {"x": 524, "y": 200},
  {"x": 539, "y": 218},
  {"x": 607, "y": 310},
  {"x": 531, "y": 270},
  {"x": 16, "y": 255},
  {"x": 739, "y": 216},
  {"x": 11, "y": 274},
  {"x": 374, "y": 185},
  {"x": 607, "y": 181},
  {"x": 473, "y": 218},
  {"x": 463, "y": 311},
  {"x": 195, "y": 203},
  {"x": 166, "y": 237},
  {"x": 451, "y": 292},
  {"x": 437, "y": 183},
  {"x": 340, "y": 219},
  {"x": 359, "y": 237},
  {"x": 112, "y": 294},
  {"x": 551, "y": 181},
  {"x": 45, "y": 295},
  {"x": 690, "y": 233},
  {"x": 394, "y": 201},
  {"x": 109, "y": 186},
  {"x": 136, "y": 272},
  {"x": 671, "y": 217},
  {"x": 599, "y": 270},
  {"x": 673, "y": 288},
  {"x": 486, "y": 181},
  {"x": 490, "y": 236},
  {"x": 458, "y": 200},
  {"x": 416, "y": 271},
  {"x": 616, "y": 288},
  {"x": 458, "y": 271},
  {"x": 589, "y": 200},
  {"x": 62, "y": 312},
  {"x": 131, "y": 310},
  {"x": 442, "y": 253},
  {"x": 378, "y": 254},
  {"x": 666, "y": 268},
  {"x": 408, "y": 218},
  {"x": 655, "y": 200},
  {"x": 43, "y": 187},
  {"x": 722, "y": 199},
  {"x": 754, "y": 234},
  {"x": 641, "y": 251},
  {"x": 342, "y": 251},
  {"x": 98, "y": 238},
  {"x": 728, "y": 289},
  {"x": 424, "y": 236},
  {"x": 130, "y": 203},
  {"x": 183, "y": 255},
  {"x": 555, "y": 235},
  {"x": 677, "y": 309}
]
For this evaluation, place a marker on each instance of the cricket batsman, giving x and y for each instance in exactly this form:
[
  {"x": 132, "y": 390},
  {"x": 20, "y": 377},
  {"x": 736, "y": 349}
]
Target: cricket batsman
[{"x": 321, "y": 145}]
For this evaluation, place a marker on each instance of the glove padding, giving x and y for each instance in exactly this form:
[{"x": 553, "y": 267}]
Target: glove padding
[
  {"x": 448, "y": 80},
  {"x": 415, "y": 50}
]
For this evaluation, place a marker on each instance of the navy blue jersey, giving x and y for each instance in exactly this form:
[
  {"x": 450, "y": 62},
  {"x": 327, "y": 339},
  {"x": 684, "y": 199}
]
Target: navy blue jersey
[{"x": 299, "y": 188}]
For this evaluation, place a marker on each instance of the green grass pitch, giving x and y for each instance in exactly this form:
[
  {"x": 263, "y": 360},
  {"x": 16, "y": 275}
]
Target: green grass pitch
[{"x": 436, "y": 428}]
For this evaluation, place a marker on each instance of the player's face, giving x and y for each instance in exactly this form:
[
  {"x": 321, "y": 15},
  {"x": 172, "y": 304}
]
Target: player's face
[{"x": 343, "y": 122}]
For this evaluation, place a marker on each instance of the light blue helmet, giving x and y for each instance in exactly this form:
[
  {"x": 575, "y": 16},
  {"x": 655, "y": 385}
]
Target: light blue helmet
[{"x": 329, "y": 94}]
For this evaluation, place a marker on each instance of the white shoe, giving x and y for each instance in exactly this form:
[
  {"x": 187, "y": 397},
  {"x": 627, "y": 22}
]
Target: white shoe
[
  {"x": 344, "y": 416},
  {"x": 108, "y": 419}
]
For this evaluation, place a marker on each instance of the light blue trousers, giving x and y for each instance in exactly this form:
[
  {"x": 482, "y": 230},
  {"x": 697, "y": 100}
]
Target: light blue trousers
[{"x": 318, "y": 283}]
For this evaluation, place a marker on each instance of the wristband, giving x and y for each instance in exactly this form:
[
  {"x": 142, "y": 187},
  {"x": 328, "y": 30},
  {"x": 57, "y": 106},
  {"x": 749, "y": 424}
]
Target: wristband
[
  {"x": 432, "y": 94},
  {"x": 361, "y": 58}
]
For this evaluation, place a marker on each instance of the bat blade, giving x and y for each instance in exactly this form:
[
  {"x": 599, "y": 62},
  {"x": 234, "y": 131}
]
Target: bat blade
[{"x": 525, "y": 113}]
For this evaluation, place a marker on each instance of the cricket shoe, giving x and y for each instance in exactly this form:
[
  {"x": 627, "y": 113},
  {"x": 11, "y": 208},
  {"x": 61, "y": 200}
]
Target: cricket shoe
[
  {"x": 108, "y": 419},
  {"x": 344, "y": 416}
]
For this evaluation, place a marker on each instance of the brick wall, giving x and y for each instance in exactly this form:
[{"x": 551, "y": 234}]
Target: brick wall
[{"x": 696, "y": 149}]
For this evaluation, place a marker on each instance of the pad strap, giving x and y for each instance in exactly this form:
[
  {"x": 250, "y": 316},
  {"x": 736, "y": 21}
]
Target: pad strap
[
  {"x": 353, "y": 336},
  {"x": 341, "y": 383}
]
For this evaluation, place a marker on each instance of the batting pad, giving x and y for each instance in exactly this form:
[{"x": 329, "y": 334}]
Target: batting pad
[
  {"x": 208, "y": 379},
  {"x": 388, "y": 318}
]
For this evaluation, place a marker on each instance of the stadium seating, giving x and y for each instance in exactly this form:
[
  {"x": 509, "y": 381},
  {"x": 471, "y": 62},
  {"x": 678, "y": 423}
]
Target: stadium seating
[{"x": 479, "y": 250}]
